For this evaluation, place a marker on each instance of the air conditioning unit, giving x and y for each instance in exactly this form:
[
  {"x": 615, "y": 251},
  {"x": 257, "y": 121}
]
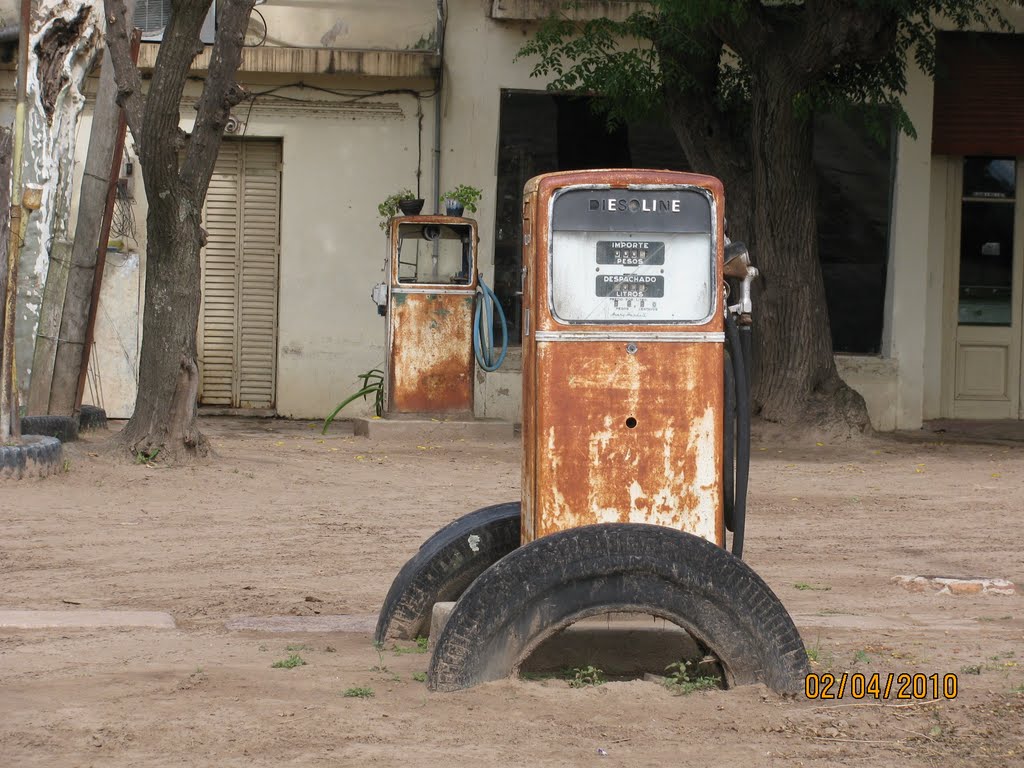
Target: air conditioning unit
[{"x": 151, "y": 16}]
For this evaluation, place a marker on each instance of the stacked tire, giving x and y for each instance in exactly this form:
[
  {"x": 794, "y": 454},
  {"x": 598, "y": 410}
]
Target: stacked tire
[{"x": 40, "y": 450}]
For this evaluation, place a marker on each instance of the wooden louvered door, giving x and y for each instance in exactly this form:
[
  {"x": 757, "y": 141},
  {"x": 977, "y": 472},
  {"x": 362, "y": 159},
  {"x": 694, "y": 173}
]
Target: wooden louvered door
[{"x": 238, "y": 322}]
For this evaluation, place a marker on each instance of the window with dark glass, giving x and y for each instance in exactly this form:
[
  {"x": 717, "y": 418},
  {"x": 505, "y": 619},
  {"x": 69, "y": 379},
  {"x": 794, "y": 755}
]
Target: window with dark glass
[
  {"x": 986, "y": 241},
  {"x": 542, "y": 132}
]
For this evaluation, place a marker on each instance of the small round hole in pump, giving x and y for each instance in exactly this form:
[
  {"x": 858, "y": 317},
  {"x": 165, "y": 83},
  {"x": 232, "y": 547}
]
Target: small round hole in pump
[{"x": 630, "y": 422}]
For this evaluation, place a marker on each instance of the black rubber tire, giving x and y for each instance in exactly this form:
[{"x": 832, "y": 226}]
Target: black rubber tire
[
  {"x": 550, "y": 583},
  {"x": 31, "y": 456},
  {"x": 91, "y": 417},
  {"x": 64, "y": 428},
  {"x": 444, "y": 566}
]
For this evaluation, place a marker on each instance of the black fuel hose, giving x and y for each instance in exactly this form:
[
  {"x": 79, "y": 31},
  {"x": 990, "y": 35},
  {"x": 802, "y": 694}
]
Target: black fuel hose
[
  {"x": 729, "y": 447},
  {"x": 739, "y": 364}
]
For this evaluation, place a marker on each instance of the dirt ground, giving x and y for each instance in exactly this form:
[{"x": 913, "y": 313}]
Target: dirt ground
[{"x": 287, "y": 522}]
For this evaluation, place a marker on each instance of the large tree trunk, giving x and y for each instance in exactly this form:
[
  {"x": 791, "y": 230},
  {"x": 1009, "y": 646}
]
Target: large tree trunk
[
  {"x": 796, "y": 381},
  {"x": 176, "y": 168},
  {"x": 165, "y": 408}
]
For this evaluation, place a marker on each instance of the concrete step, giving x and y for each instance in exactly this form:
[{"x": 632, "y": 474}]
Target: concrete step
[{"x": 420, "y": 429}]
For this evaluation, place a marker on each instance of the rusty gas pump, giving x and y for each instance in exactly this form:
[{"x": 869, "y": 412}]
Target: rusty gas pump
[
  {"x": 431, "y": 287},
  {"x": 635, "y": 444}
]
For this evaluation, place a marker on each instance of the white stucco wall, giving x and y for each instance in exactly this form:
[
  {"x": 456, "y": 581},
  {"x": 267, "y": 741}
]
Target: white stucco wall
[{"x": 340, "y": 160}]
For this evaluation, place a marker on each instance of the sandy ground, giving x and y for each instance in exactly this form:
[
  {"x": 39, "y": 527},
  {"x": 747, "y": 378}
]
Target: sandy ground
[{"x": 285, "y": 521}]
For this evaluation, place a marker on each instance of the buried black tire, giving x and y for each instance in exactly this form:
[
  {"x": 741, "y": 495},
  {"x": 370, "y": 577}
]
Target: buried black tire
[
  {"x": 64, "y": 428},
  {"x": 444, "y": 566},
  {"x": 92, "y": 417},
  {"x": 31, "y": 456},
  {"x": 552, "y": 582}
]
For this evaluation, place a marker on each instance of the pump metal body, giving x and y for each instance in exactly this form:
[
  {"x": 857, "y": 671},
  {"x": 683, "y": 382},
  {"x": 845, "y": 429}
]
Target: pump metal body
[
  {"x": 635, "y": 445},
  {"x": 622, "y": 353},
  {"x": 432, "y": 282}
]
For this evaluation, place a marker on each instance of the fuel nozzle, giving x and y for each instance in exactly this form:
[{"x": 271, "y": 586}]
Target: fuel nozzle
[{"x": 737, "y": 265}]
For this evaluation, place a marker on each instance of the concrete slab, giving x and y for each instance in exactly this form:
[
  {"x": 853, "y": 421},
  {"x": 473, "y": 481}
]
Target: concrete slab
[
  {"x": 617, "y": 644},
  {"x": 84, "y": 619},
  {"x": 420, "y": 429},
  {"x": 956, "y": 585},
  {"x": 358, "y": 623}
]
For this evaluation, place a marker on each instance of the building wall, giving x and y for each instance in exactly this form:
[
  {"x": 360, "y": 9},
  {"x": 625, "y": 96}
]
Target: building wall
[{"x": 342, "y": 155}]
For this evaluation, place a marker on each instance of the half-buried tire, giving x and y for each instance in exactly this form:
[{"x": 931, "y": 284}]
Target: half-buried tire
[
  {"x": 444, "y": 566},
  {"x": 91, "y": 417},
  {"x": 552, "y": 582},
  {"x": 31, "y": 456},
  {"x": 64, "y": 428}
]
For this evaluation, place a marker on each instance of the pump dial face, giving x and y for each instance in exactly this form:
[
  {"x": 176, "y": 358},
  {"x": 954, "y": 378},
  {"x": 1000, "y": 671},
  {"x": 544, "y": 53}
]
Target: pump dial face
[
  {"x": 623, "y": 277},
  {"x": 635, "y": 255}
]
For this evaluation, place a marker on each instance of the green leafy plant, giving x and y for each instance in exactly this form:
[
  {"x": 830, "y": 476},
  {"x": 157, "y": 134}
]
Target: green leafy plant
[
  {"x": 581, "y": 677},
  {"x": 358, "y": 693},
  {"x": 419, "y": 677},
  {"x": 389, "y": 207},
  {"x": 681, "y": 679},
  {"x": 294, "y": 660},
  {"x": 464, "y": 194},
  {"x": 372, "y": 384},
  {"x": 147, "y": 457}
]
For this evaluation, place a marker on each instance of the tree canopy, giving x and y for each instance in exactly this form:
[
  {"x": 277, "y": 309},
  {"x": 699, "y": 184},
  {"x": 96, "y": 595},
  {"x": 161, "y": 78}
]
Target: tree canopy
[{"x": 738, "y": 81}]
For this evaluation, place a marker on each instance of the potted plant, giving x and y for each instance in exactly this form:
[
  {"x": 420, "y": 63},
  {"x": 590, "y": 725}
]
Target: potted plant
[
  {"x": 461, "y": 198},
  {"x": 403, "y": 200}
]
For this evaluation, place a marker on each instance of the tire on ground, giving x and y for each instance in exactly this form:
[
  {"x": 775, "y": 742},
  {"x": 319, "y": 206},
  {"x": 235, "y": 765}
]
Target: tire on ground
[
  {"x": 91, "y": 417},
  {"x": 552, "y": 582},
  {"x": 31, "y": 456},
  {"x": 64, "y": 428},
  {"x": 444, "y": 566}
]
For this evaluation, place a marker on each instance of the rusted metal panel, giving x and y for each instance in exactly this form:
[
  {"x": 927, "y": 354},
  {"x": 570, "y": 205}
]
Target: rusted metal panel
[
  {"x": 431, "y": 360},
  {"x": 630, "y": 437},
  {"x": 622, "y": 422}
]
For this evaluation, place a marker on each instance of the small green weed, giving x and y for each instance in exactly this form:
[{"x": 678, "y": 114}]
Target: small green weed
[
  {"x": 290, "y": 663},
  {"x": 147, "y": 457},
  {"x": 381, "y": 666},
  {"x": 1018, "y": 689},
  {"x": 422, "y": 646},
  {"x": 419, "y": 677},
  {"x": 293, "y": 648},
  {"x": 861, "y": 657},
  {"x": 581, "y": 677},
  {"x": 358, "y": 693},
  {"x": 681, "y": 680},
  {"x": 804, "y": 586}
]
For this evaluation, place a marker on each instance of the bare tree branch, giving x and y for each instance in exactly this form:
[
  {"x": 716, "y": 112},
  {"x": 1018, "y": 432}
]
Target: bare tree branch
[
  {"x": 178, "y": 48},
  {"x": 220, "y": 94},
  {"x": 129, "y": 94}
]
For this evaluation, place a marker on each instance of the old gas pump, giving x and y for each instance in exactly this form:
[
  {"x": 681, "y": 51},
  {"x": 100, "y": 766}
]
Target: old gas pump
[
  {"x": 432, "y": 282},
  {"x": 635, "y": 437}
]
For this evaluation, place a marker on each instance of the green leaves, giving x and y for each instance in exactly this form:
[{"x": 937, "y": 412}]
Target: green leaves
[{"x": 373, "y": 384}]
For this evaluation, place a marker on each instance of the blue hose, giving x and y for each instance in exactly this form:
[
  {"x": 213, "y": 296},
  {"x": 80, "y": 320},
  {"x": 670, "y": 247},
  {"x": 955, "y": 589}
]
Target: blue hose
[{"x": 483, "y": 323}]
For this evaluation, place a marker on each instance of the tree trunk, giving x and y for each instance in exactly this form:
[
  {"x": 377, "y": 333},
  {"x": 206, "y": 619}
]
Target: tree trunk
[
  {"x": 795, "y": 379},
  {"x": 164, "y": 420},
  {"x": 176, "y": 169}
]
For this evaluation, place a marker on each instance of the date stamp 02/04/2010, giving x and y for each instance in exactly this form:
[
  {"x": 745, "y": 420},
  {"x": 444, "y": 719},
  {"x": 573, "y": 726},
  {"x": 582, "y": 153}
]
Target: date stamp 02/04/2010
[{"x": 881, "y": 686}]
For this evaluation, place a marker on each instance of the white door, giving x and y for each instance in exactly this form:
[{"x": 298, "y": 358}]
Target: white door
[
  {"x": 988, "y": 246},
  {"x": 238, "y": 320}
]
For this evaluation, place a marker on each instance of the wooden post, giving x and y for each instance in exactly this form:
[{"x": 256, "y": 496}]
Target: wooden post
[{"x": 88, "y": 256}]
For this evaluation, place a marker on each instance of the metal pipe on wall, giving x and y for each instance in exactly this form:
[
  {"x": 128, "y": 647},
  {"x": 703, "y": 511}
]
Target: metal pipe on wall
[{"x": 438, "y": 104}]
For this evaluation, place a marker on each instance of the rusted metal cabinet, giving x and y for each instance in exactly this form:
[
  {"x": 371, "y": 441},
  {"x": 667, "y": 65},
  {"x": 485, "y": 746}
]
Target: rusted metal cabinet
[
  {"x": 623, "y": 345},
  {"x": 431, "y": 290}
]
